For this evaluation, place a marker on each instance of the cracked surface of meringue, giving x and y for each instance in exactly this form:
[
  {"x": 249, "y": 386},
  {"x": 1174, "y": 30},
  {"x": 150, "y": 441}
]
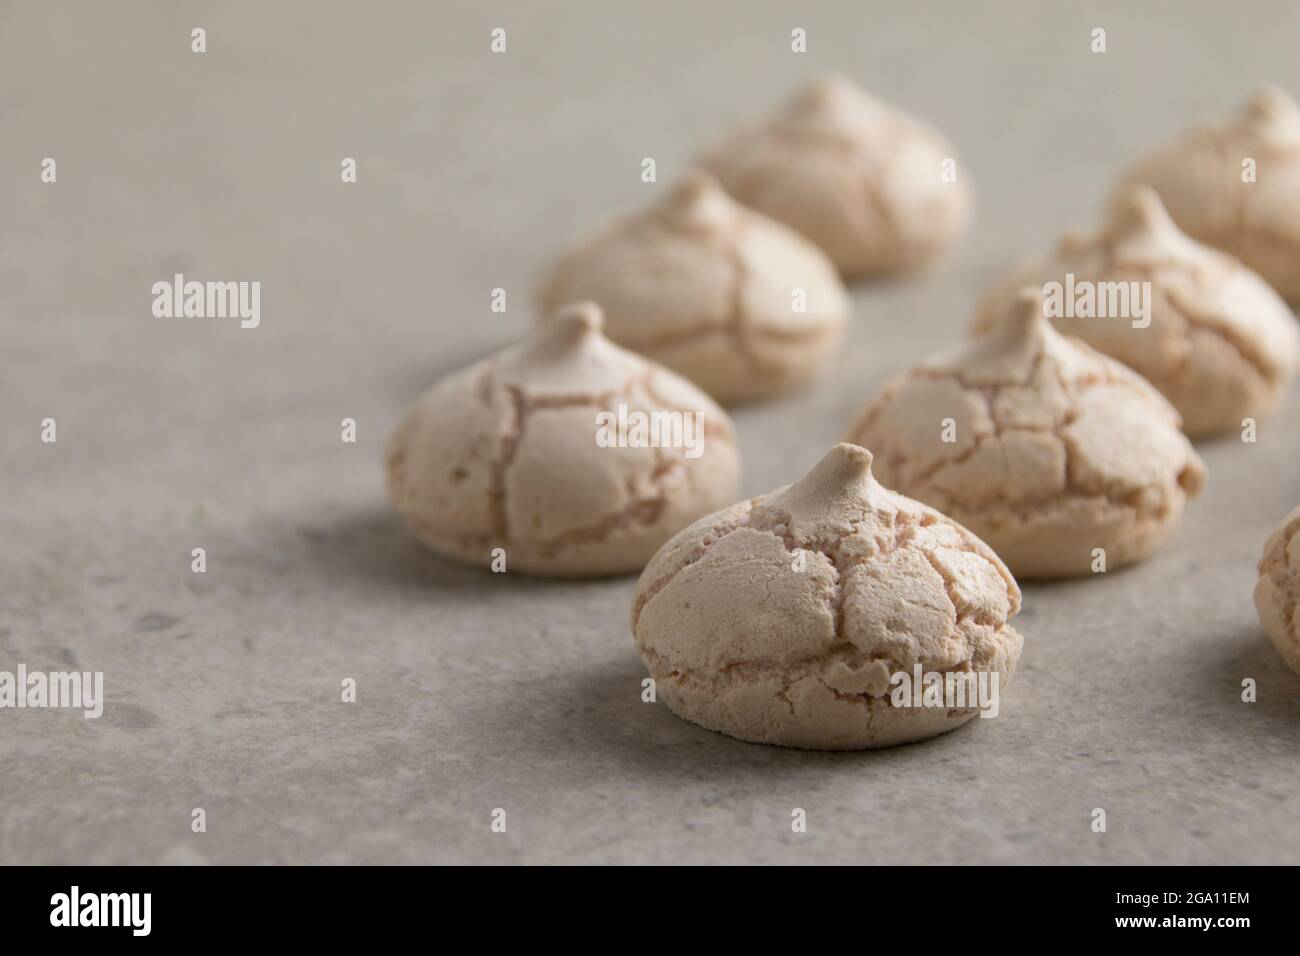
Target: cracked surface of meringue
[
  {"x": 1200, "y": 176},
  {"x": 782, "y": 618},
  {"x": 1277, "y": 593},
  {"x": 1055, "y": 450},
  {"x": 741, "y": 305},
  {"x": 1217, "y": 341},
  {"x": 863, "y": 180},
  {"x": 505, "y": 454}
]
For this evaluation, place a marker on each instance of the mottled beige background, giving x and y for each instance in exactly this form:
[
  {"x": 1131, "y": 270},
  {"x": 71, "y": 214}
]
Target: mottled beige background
[{"x": 479, "y": 691}]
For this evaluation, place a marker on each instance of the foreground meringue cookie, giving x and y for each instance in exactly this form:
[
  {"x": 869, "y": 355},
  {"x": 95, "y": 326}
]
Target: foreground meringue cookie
[
  {"x": 741, "y": 305},
  {"x": 859, "y": 178},
  {"x": 783, "y": 619},
  {"x": 509, "y": 453},
  {"x": 1207, "y": 332},
  {"x": 1199, "y": 176},
  {"x": 1277, "y": 594},
  {"x": 1055, "y": 449}
]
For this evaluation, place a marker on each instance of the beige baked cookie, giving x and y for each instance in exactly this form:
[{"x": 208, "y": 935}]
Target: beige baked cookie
[
  {"x": 741, "y": 305},
  {"x": 1277, "y": 594},
  {"x": 869, "y": 184},
  {"x": 1207, "y": 332},
  {"x": 548, "y": 451},
  {"x": 1054, "y": 450},
  {"x": 783, "y": 619},
  {"x": 1201, "y": 176}
]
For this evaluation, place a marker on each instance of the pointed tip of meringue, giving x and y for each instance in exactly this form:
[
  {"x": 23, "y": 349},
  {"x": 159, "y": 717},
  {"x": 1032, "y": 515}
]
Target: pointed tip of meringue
[
  {"x": 1138, "y": 208},
  {"x": 1270, "y": 103},
  {"x": 1028, "y": 315},
  {"x": 837, "y": 106},
  {"x": 697, "y": 185},
  {"x": 1073, "y": 241},
  {"x": 573, "y": 322},
  {"x": 859, "y": 457},
  {"x": 830, "y": 93},
  {"x": 826, "y": 88},
  {"x": 845, "y": 464},
  {"x": 1272, "y": 115},
  {"x": 698, "y": 201}
]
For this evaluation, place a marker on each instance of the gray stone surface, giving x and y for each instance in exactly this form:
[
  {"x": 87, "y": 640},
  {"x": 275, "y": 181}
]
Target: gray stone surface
[{"x": 480, "y": 691}]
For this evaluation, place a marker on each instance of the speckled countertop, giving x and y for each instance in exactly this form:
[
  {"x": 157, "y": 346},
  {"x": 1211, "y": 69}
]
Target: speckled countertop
[{"x": 478, "y": 691}]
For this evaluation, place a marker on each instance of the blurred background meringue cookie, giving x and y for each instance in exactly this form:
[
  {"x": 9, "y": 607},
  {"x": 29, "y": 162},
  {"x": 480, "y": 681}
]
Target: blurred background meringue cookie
[
  {"x": 510, "y": 453},
  {"x": 1211, "y": 335},
  {"x": 1043, "y": 447},
  {"x": 1234, "y": 183},
  {"x": 872, "y": 186},
  {"x": 1277, "y": 593},
  {"x": 784, "y": 619},
  {"x": 741, "y": 305}
]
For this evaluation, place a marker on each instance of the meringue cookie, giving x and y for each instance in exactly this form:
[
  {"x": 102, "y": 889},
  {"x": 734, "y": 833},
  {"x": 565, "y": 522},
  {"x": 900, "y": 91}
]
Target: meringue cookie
[
  {"x": 1199, "y": 175},
  {"x": 859, "y": 178},
  {"x": 1277, "y": 593},
  {"x": 1056, "y": 450},
  {"x": 508, "y": 453},
  {"x": 1215, "y": 339},
  {"x": 783, "y": 619},
  {"x": 741, "y": 305}
]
